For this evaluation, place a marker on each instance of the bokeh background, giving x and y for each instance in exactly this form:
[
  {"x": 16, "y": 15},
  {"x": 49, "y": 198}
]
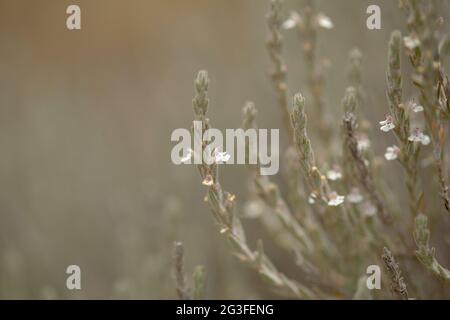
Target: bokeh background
[{"x": 85, "y": 124}]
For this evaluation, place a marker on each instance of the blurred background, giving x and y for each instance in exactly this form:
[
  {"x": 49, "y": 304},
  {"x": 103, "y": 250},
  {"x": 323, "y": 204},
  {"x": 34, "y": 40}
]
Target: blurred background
[{"x": 85, "y": 124}]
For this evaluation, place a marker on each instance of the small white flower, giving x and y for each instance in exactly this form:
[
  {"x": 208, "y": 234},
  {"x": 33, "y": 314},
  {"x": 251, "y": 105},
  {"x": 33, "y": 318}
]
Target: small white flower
[
  {"x": 334, "y": 174},
  {"x": 391, "y": 153},
  {"x": 291, "y": 22},
  {"x": 387, "y": 124},
  {"x": 224, "y": 230},
  {"x": 366, "y": 162},
  {"x": 253, "y": 209},
  {"x": 411, "y": 42},
  {"x": 208, "y": 181},
  {"x": 363, "y": 143},
  {"x": 416, "y": 107},
  {"x": 220, "y": 157},
  {"x": 334, "y": 199},
  {"x": 368, "y": 209},
  {"x": 312, "y": 198},
  {"x": 324, "y": 21},
  {"x": 418, "y": 136},
  {"x": 354, "y": 196},
  {"x": 187, "y": 157}
]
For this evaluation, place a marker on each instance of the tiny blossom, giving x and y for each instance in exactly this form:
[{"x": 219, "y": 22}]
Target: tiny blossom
[
  {"x": 368, "y": 209},
  {"x": 392, "y": 153},
  {"x": 418, "y": 136},
  {"x": 312, "y": 198},
  {"x": 411, "y": 42},
  {"x": 387, "y": 124},
  {"x": 334, "y": 174},
  {"x": 187, "y": 157},
  {"x": 293, "y": 20},
  {"x": 334, "y": 199},
  {"x": 366, "y": 162},
  {"x": 326, "y": 63},
  {"x": 221, "y": 156},
  {"x": 324, "y": 21},
  {"x": 208, "y": 181},
  {"x": 363, "y": 142},
  {"x": 354, "y": 196}
]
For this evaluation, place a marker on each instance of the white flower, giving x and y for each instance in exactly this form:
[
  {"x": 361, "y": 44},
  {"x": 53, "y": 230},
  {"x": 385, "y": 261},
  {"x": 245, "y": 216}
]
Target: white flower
[
  {"x": 253, "y": 209},
  {"x": 366, "y": 162},
  {"x": 411, "y": 42},
  {"x": 368, "y": 209},
  {"x": 293, "y": 20},
  {"x": 363, "y": 142},
  {"x": 354, "y": 196},
  {"x": 220, "y": 157},
  {"x": 312, "y": 198},
  {"x": 334, "y": 174},
  {"x": 334, "y": 199},
  {"x": 208, "y": 181},
  {"x": 387, "y": 124},
  {"x": 324, "y": 21},
  {"x": 224, "y": 230},
  {"x": 418, "y": 136},
  {"x": 187, "y": 157},
  {"x": 392, "y": 153},
  {"x": 416, "y": 107}
]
